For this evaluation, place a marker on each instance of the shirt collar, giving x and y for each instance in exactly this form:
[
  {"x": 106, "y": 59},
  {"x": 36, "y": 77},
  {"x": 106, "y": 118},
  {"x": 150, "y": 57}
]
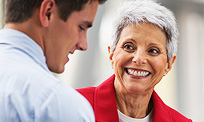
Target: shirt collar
[{"x": 24, "y": 43}]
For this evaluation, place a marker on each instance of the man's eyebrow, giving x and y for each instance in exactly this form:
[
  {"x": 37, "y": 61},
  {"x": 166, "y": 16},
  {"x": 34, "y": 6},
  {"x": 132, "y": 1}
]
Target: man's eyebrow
[{"x": 88, "y": 24}]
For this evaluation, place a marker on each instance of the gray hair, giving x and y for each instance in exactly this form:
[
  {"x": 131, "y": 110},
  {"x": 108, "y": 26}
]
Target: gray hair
[{"x": 148, "y": 11}]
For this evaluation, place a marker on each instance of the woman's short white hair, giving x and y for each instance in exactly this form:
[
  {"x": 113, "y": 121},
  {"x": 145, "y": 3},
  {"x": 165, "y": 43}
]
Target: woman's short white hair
[{"x": 148, "y": 11}]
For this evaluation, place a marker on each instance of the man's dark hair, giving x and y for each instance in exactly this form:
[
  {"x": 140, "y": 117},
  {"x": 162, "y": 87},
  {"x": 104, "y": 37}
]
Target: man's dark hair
[{"x": 18, "y": 11}]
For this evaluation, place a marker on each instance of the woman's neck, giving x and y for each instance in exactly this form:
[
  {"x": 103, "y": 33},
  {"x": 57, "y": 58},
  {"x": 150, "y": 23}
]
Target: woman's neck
[{"x": 133, "y": 105}]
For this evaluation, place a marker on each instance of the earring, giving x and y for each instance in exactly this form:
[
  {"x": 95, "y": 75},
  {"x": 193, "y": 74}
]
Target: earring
[{"x": 164, "y": 74}]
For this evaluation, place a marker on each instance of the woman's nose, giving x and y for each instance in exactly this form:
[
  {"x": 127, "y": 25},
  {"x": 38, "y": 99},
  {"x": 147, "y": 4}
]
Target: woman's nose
[{"x": 139, "y": 57}]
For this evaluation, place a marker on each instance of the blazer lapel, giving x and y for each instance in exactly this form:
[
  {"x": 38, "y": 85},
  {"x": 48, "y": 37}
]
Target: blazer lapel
[
  {"x": 105, "y": 102},
  {"x": 160, "y": 111}
]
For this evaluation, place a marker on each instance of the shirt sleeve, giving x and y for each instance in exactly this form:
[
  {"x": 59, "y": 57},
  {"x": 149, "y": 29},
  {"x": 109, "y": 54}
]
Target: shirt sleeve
[{"x": 62, "y": 104}]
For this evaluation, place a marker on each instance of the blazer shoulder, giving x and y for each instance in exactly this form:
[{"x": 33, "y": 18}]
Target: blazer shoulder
[
  {"x": 178, "y": 117},
  {"x": 88, "y": 93}
]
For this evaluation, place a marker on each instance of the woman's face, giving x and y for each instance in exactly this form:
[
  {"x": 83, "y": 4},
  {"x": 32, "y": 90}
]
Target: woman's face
[{"x": 140, "y": 58}]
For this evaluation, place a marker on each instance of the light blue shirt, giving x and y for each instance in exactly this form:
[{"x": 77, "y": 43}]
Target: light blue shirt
[{"x": 28, "y": 90}]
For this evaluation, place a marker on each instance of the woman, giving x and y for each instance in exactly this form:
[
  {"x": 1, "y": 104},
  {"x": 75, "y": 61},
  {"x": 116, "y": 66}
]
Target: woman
[{"x": 143, "y": 51}]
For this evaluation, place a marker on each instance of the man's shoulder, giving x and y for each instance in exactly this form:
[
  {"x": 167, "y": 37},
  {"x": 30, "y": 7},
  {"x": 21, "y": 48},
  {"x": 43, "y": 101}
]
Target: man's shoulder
[
  {"x": 68, "y": 102},
  {"x": 44, "y": 95}
]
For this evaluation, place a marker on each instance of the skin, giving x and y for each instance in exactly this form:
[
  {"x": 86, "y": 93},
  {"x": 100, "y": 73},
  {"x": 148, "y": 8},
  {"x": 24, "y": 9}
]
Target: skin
[
  {"x": 57, "y": 38},
  {"x": 140, "y": 48}
]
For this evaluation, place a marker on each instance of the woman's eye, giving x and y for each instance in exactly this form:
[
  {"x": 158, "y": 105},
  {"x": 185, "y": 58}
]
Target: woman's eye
[
  {"x": 81, "y": 28},
  {"x": 154, "y": 51},
  {"x": 128, "y": 47}
]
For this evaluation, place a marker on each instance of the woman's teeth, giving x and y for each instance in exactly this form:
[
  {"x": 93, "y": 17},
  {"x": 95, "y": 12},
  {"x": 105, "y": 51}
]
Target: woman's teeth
[{"x": 137, "y": 73}]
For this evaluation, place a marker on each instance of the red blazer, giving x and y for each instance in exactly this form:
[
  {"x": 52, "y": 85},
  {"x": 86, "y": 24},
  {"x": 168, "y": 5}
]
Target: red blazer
[{"x": 103, "y": 100}]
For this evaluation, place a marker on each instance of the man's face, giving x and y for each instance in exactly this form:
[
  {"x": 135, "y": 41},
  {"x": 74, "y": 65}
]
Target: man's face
[{"x": 66, "y": 37}]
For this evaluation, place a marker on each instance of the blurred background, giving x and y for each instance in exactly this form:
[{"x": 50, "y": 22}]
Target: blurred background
[{"x": 182, "y": 88}]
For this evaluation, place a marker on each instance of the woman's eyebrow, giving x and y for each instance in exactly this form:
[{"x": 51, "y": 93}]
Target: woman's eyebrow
[{"x": 133, "y": 40}]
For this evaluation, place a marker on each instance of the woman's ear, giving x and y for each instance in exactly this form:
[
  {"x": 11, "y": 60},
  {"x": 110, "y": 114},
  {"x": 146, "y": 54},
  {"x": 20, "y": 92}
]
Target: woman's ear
[
  {"x": 46, "y": 10},
  {"x": 170, "y": 64},
  {"x": 109, "y": 49},
  {"x": 111, "y": 56}
]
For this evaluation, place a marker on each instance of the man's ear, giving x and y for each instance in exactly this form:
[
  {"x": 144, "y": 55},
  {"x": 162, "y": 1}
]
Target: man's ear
[
  {"x": 170, "y": 64},
  {"x": 46, "y": 10}
]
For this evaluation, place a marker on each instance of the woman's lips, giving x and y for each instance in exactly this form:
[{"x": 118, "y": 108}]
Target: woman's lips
[{"x": 137, "y": 73}]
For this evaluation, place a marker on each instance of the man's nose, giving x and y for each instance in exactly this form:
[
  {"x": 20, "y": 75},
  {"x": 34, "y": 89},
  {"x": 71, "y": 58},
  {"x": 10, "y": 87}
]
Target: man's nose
[{"x": 82, "y": 44}]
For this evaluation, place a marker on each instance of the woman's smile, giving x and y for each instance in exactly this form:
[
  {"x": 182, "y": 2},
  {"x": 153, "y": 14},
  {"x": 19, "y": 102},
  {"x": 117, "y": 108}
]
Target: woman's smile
[{"x": 137, "y": 73}]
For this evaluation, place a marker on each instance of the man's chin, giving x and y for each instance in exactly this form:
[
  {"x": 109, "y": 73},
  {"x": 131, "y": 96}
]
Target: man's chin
[{"x": 57, "y": 70}]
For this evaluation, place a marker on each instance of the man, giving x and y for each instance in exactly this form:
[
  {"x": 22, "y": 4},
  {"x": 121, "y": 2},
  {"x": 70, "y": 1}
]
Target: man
[{"x": 37, "y": 38}]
